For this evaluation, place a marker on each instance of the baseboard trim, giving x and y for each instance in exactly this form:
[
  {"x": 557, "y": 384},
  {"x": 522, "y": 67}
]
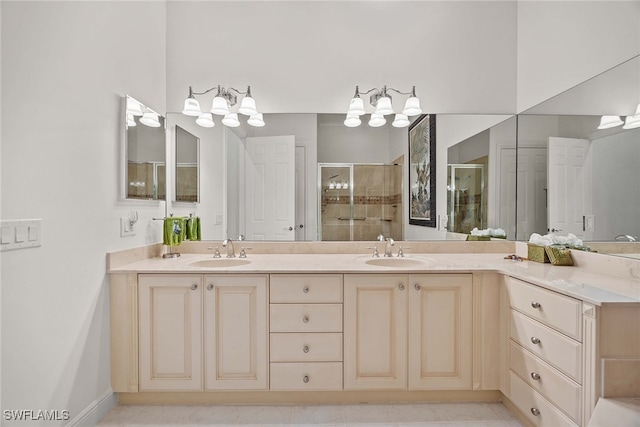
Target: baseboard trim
[{"x": 96, "y": 411}]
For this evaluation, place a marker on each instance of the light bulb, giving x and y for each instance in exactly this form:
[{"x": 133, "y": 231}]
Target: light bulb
[
  {"x": 248, "y": 106},
  {"x": 412, "y": 107},
  {"x": 220, "y": 106},
  {"x": 377, "y": 120},
  {"x": 356, "y": 107},
  {"x": 352, "y": 121},
  {"x": 400, "y": 121},
  {"x": 191, "y": 107},
  {"x": 256, "y": 120},
  {"x": 205, "y": 120},
  {"x": 383, "y": 106},
  {"x": 231, "y": 120}
]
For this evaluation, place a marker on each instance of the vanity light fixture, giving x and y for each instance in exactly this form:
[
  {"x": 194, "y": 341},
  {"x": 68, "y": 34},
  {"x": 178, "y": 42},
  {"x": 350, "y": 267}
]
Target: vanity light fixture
[
  {"x": 221, "y": 105},
  {"x": 607, "y": 122},
  {"x": 632, "y": 122},
  {"x": 382, "y": 102}
]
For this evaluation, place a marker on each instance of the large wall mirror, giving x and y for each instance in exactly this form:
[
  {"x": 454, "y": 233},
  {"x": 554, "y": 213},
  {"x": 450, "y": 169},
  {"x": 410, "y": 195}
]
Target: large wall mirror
[
  {"x": 144, "y": 152},
  {"x": 574, "y": 176}
]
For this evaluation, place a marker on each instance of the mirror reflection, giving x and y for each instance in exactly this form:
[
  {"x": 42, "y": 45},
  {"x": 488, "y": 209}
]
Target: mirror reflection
[
  {"x": 187, "y": 177},
  {"x": 145, "y": 154}
]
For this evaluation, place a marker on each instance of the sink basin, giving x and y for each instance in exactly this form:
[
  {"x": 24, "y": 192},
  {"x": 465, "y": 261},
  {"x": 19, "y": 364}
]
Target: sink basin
[
  {"x": 219, "y": 262},
  {"x": 395, "y": 262}
]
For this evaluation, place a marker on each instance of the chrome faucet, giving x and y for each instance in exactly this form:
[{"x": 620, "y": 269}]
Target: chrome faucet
[
  {"x": 228, "y": 243},
  {"x": 623, "y": 237},
  {"x": 387, "y": 247}
]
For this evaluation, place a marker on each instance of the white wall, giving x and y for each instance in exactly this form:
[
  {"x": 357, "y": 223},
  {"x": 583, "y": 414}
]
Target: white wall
[
  {"x": 562, "y": 43},
  {"x": 65, "y": 67}
]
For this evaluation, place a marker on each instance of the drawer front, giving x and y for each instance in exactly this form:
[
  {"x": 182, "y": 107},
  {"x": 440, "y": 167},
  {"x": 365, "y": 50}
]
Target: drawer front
[
  {"x": 546, "y": 380},
  {"x": 306, "y": 288},
  {"x": 306, "y": 376},
  {"x": 553, "y": 347},
  {"x": 551, "y": 308},
  {"x": 536, "y": 408},
  {"x": 301, "y": 347},
  {"x": 306, "y": 318}
]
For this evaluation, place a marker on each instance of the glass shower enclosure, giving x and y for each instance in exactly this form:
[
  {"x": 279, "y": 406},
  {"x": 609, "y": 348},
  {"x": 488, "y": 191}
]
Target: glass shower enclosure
[{"x": 359, "y": 201}]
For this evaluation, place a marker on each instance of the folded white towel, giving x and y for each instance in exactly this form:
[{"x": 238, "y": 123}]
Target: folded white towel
[{"x": 555, "y": 239}]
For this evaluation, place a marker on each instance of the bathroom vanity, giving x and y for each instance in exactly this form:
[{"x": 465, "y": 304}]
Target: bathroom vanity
[{"x": 451, "y": 321}]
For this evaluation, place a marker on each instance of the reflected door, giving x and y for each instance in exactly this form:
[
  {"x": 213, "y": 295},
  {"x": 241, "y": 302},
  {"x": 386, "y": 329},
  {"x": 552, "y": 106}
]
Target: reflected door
[
  {"x": 569, "y": 185},
  {"x": 270, "y": 188},
  {"x": 467, "y": 205}
]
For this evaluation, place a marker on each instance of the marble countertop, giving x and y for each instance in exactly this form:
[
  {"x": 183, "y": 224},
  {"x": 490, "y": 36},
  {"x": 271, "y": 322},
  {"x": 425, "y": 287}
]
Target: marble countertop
[{"x": 585, "y": 285}]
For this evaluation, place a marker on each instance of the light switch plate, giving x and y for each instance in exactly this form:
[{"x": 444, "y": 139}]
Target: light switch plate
[
  {"x": 21, "y": 234},
  {"x": 589, "y": 223},
  {"x": 442, "y": 222},
  {"x": 126, "y": 229}
]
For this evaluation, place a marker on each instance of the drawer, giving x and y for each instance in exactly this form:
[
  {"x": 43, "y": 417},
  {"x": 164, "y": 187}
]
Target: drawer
[
  {"x": 305, "y": 288},
  {"x": 551, "y": 308},
  {"x": 553, "y": 347},
  {"x": 536, "y": 408},
  {"x": 546, "y": 380},
  {"x": 306, "y": 376},
  {"x": 306, "y": 317},
  {"x": 301, "y": 347}
]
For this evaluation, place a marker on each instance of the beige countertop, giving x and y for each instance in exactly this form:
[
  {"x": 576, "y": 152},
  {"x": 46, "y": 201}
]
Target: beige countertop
[{"x": 583, "y": 284}]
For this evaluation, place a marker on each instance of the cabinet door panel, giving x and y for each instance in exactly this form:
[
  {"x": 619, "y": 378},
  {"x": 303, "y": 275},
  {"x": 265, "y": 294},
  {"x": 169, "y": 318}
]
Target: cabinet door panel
[
  {"x": 375, "y": 331},
  {"x": 440, "y": 331},
  {"x": 235, "y": 313},
  {"x": 170, "y": 332}
]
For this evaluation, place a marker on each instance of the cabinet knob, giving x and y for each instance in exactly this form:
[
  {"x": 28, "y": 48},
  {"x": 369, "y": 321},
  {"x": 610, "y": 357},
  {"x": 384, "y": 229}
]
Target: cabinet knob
[
  {"x": 535, "y": 376},
  {"x": 305, "y": 379},
  {"x": 305, "y": 319},
  {"x": 418, "y": 287},
  {"x": 305, "y": 289},
  {"x": 401, "y": 287},
  {"x": 209, "y": 286},
  {"x": 535, "y": 411},
  {"x": 305, "y": 349},
  {"x": 535, "y": 304},
  {"x": 535, "y": 340},
  {"x": 194, "y": 287}
]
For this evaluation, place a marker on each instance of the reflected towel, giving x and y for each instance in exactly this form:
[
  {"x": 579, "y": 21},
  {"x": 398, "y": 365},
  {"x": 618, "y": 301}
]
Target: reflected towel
[
  {"x": 174, "y": 231},
  {"x": 193, "y": 229}
]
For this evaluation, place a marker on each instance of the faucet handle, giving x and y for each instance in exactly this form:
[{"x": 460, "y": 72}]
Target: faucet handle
[
  {"x": 243, "y": 254},
  {"x": 401, "y": 251},
  {"x": 216, "y": 251},
  {"x": 375, "y": 252},
  {"x": 380, "y": 238}
]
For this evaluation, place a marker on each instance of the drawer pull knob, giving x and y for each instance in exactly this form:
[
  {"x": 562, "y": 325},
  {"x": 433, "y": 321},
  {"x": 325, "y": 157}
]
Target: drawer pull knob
[
  {"x": 535, "y": 340},
  {"x": 305, "y": 379},
  {"x": 535, "y": 304},
  {"x": 305, "y": 319},
  {"x": 194, "y": 287},
  {"x": 209, "y": 286},
  {"x": 401, "y": 287},
  {"x": 535, "y": 376},
  {"x": 535, "y": 411},
  {"x": 305, "y": 349},
  {"x": 418, "y": 287},
  {"x": 305, "y": 289}
]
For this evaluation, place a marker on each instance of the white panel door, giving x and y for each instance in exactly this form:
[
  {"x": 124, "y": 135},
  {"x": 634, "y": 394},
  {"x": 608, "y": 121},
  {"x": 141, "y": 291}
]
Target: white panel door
[
  {"x": 270, "y": 188},
  {"x": 507, "y": 192},
  {"x": 569, "y": 185},
  {"x": 532, "y": 196}
]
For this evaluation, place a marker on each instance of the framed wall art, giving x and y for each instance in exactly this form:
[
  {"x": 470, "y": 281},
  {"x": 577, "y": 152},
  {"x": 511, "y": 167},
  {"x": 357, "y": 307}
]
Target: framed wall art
[{"x": 422, "y": 171}]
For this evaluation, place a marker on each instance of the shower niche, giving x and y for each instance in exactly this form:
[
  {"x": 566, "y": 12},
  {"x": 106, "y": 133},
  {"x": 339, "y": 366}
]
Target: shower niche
[{"x": 359, "y": 201}]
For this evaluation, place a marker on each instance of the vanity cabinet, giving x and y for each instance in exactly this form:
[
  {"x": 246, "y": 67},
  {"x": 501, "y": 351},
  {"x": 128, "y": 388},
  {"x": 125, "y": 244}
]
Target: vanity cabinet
[
  {"x": 408, "y": 331},
  {"x": 202, "y": 332}
]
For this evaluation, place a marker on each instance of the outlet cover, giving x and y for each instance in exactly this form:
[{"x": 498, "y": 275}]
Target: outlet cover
[
  {"x": 126, "y": 229},
  {"x": 589, "y": 223}
]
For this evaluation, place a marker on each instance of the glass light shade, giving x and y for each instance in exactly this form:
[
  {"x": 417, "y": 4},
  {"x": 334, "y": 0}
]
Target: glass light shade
[
  {"x": 205, "y": 120},
  {"x": 150, "y": 119},
  {"x": 256, "y": 120},
  {"x": 412, "y": 107},
  {"x": 400, "y": 121},
  {"x": 631, "y": 122},
  {"x": 191, "y": 107},
  {"x": 133, "y": 107},
  {"x": 248, "y": 106},
  {"x": 383, "y": 106},
  {"x": 220, "y": 106},
  {"x": 377, "y": 120},
  {"x": 231, "y": 120},
  {"x": 607, "y": 122},
  {"x": 352, "y": 121},
  {"x": 131, "y": 122},
  {"x": 356, "y": 107}
]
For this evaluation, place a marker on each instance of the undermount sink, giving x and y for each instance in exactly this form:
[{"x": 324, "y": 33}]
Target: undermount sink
[
  {"x": 220, "y": 262},
  {"x": 395, "y": 262}
]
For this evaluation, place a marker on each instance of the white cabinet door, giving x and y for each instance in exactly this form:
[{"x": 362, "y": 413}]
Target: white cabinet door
[
  {"x": 236, "y": 331},
  {"x": 170, "y": 332},
  {"x": 375, "y": 331},
  {"x": 440, "y": 331}
]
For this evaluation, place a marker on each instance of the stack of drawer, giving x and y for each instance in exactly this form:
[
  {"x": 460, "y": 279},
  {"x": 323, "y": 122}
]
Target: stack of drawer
[
  {"x": 306, "y": 331},
  {"x": 545, "y": 354}
]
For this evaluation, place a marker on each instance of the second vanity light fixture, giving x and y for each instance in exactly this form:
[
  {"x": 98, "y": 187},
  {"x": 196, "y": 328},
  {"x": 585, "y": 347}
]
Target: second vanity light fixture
[
  {"x": 381, "y": 100},
  {"x": 221, "y": 105},
  {"x": 147, "y": 116}
]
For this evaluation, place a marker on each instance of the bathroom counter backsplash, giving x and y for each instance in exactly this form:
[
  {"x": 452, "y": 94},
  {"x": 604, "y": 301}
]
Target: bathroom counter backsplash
[{"x": 579, "y": 281}]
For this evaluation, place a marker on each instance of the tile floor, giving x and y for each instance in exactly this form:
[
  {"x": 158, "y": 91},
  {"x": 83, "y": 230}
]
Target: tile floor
[{"x": 380, "y": 415}]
